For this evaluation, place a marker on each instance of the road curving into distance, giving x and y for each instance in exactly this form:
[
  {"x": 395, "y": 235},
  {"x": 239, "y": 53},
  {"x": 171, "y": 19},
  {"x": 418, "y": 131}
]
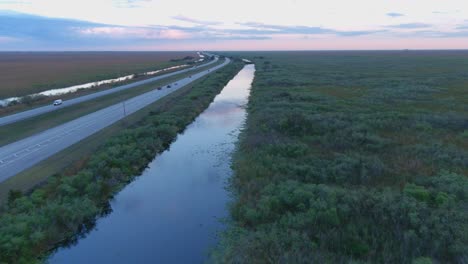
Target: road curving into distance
[
  {"x": 49, "y": 108},
  {"x": 23, "y": 154}
]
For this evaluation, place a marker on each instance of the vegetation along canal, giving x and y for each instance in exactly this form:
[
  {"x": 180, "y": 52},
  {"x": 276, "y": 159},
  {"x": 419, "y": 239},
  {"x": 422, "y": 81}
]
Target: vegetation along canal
[{"x": 171, "y": 213}]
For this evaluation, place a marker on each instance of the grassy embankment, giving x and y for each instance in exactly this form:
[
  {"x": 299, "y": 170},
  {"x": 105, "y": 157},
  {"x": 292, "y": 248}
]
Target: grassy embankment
[
  {"x": 69, "y": 202},
  {"x": 13, "y": 132},
  {"x": 355, "y": 157},
  {"x": 44, "y": 71}
]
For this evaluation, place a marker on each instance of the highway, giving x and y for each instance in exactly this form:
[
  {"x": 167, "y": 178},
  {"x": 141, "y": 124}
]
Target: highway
[
  {"x": 49, "y": 108},
  {"x": 25, "y": 153}
]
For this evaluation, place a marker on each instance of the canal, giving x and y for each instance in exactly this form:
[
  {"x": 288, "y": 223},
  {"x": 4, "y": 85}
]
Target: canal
[{"x": 172, "y": 212}]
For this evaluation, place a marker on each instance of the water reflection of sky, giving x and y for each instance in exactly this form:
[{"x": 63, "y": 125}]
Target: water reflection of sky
[{"x": 171, "y": 213}]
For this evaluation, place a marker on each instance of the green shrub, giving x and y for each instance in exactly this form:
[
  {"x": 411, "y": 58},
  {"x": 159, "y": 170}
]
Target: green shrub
[{"x": 418, "y": 192}]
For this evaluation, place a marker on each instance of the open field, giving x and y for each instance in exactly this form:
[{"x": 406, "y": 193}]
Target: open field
[
  {"x": 25, "y": 73},
  {"x": 70, "y": 201},
  {"x": 355, "y": 157},
  {"x": 22, "y": 129}
]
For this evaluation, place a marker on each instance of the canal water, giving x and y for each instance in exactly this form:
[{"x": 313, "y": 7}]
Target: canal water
[{"x": 172, "y": 212}]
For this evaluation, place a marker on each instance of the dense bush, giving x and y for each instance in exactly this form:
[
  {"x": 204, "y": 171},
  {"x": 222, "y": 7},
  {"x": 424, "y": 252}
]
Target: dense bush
[
  {"x": 352, "y": 157},
  {"x": 66, "y": 206}
]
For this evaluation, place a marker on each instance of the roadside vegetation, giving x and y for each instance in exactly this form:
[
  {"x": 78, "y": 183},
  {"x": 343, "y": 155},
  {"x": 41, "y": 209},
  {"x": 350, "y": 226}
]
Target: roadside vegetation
[
  {"x": 352, "y": 157},
  {"x": 66, "y": 206}
]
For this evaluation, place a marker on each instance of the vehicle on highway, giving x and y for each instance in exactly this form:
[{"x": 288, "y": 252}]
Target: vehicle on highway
[
  {"x": 159, "y": 88},
  {"x": 169, "y": 86},
  {"x": 58, "y": 102}
]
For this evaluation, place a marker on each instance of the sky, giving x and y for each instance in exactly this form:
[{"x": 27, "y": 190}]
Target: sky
[{"x": 45, "y": 25}]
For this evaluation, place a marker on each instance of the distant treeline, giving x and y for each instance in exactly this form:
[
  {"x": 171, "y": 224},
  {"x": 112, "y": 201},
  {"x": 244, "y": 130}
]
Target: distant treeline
[
  {"x": 66, "y": 206},
  {"x": 352, "y": 157}
]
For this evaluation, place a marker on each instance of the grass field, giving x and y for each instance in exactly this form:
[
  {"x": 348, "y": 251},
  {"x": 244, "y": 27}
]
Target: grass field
[
  {"x": 25, "y": 73},
  {"x": 352, "y": 157}
]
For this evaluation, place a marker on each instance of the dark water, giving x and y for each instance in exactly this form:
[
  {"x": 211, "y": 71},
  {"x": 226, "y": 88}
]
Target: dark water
[{"x": 170, "y": 214}]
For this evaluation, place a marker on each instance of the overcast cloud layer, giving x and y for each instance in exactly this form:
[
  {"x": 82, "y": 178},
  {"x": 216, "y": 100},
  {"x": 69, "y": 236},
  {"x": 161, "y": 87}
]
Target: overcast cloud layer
[{"x": 232, "y": 25}]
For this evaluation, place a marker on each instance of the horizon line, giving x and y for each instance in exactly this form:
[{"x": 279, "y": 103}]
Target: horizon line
[{"x": 228, "y": 50}]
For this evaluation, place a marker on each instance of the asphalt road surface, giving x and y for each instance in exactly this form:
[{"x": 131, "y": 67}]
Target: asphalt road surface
[
  {"x": 25, "y": 153},
  {"x": 49, "y": 108}
]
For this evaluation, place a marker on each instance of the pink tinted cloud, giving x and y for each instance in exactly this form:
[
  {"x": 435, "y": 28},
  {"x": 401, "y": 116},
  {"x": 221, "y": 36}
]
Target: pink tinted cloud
[
  {"x": 138, "y": 33},
  {"x": 174, "y": 34},
  {"x": 5, "y": 39}
]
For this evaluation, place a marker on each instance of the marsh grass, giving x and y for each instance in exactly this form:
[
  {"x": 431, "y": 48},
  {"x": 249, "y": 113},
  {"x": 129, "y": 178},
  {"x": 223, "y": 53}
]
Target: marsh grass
[{"x": 352, "y": 157}]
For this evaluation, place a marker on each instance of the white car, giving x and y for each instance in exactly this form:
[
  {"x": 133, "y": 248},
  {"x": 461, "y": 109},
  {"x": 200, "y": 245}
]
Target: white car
[{"x": 58, "y": 102}]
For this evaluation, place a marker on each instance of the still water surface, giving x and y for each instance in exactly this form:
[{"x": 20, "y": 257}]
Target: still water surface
[{"x": 170, "y": 214}]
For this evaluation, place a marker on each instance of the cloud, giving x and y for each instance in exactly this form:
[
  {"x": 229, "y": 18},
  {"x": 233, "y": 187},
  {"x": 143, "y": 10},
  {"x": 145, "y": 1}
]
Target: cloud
[
  {"x": 233, "y": 37},
  {"x": 136, "y": 33},
  {"x": 196, "y": 21},
  {"x": 129, "y": 3},
  {"x": 445, "y": 12},
  {"x": 358, "y": 33},
  {"x": 194, "y": 29},
  {"x": 393, "y": 14},
  {"x": 410, "y": 26},
  {"x": 37, "y": 28},
  {"x": 4, "y": 39},
  {"x": 463, "y": 25},
  {"x": 14, "y": 2},
  {"x": 456, "y": 34},
  {"x": 266, "y": 29},
  {"x": 20, "y": 31},
  {"x": 436, "y": 34},
  {"x": 283, "y": 31}
]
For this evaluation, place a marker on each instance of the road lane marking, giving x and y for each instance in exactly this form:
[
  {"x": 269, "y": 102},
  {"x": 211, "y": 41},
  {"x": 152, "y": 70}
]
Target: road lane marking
[{"x": 7, "y": 159}]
